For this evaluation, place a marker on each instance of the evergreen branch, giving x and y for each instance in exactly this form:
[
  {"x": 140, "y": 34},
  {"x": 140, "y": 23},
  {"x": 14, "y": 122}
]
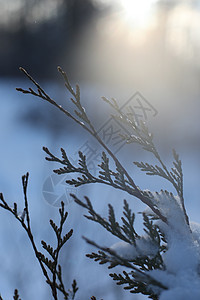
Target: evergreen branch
[
  {"x": 44, "y": 262},
  {"x": 132, "y": 284},
  {"x": 142, "y": 136},
  {"x": 151, "y": 170},
  {"x": 26, "y": 209},
  {"x": 61, "y": 286},
  {"x": 53, "y": 265},
  {"x": 125, "y": 232},
  {"x": 124, "y": 280},
  {"x": 41, "y": 94},
  {"x": 177, "y": 174},
  {"x": 120, "y": 177},
  {"x": 65, "y": 238},
  {"x": 87, "y": 177},
  {"x": 110, "y": 225},
  {"x": 81, "y": 181},
  {"x": 151, "y": 230},
  {"x": 104, "y": 177},
  {"x": 103, "y": 258},
  {"x": 117, "y": 179},
  {"x": 49, "y": 263},
  {"x": 113, "y": 257},
  {"x": 27, "y": 226},
  {"x": 54, "y": 226},
  {"x": 74, "y": 289},
  {"x": 71, "y": 292},
  {"x": 128, "y": 222},
  {"x": 137, "y": 274},
  {"x": 106, "y": 174},
  {"x": 49, "y": 249},
  {"x": 148, "y": 146},
  {"x": 81, "y": 113},
  {"x": 176, "y": 178},
  {"x": 112, "y": 103},
  {"x": 143, "y": 261}
]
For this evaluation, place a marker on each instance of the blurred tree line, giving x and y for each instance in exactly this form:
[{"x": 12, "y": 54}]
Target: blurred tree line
[{"x": 41, "y": 44}]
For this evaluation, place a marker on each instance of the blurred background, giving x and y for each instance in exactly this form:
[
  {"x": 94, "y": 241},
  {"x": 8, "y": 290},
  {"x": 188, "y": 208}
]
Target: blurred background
[{"x": 112, "y": 48}]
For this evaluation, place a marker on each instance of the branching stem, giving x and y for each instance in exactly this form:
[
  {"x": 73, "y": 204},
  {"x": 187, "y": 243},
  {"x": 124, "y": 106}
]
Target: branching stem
[{"x": 42, "y": 94}]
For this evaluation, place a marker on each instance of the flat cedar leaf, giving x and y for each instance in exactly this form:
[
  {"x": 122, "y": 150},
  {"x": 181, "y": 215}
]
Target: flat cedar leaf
[
  {"x": 77, "y": 92},
  {"x": 111, "y": 214},
  {"x": 64, "y": 155},
  {"x": 67, "y": 237},
  {"x": 89, "y": 204},
  {"x": 150, "y": 169},
  {"x": 48, "y": 248},
  {"x": 54, "y": 226},
  {"x": 79, "y": 202},
  {"x": 49, "y": 263},
  {"x": 63, "y": 170}
]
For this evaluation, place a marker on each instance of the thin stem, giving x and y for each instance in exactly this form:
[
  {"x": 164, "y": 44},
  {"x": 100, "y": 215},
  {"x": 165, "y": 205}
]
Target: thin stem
[
  {"x": 56, "y": 257},
  {"x": 28, "y": 226},
  {"x": 50, "y": 100},
  {"x": 29, "y": 232}
]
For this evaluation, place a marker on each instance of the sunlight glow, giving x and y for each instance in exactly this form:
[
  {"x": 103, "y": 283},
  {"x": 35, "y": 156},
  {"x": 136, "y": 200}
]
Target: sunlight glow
[{"x": 137, "y": 13}]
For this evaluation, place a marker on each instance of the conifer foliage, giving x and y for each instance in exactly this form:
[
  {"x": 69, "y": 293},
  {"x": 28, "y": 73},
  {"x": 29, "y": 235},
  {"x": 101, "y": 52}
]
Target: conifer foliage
[
  {"x": 49, "y": 264},
  {"x": 162, "y": 263}
]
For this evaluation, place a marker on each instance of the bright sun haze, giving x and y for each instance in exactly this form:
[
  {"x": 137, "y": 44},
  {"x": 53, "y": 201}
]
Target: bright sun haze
[{"x": 137, "y": 13}]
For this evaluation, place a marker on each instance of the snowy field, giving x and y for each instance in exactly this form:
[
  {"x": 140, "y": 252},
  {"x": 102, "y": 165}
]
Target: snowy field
[{"x": 21, "y": 151}]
